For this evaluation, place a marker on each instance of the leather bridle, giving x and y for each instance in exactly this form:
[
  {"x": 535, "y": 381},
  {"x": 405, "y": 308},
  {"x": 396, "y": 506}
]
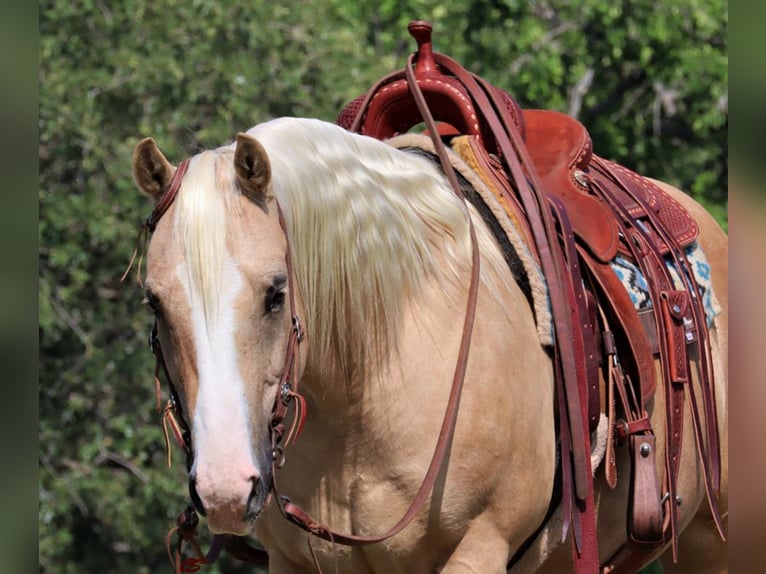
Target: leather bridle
[{"x": 173, "y": 417}]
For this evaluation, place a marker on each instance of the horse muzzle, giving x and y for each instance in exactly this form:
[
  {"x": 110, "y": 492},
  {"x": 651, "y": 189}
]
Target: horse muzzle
[{"x": 230, "y": 501}]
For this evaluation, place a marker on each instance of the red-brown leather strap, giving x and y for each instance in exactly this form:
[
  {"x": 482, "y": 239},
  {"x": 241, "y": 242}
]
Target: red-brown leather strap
[
  {"x": 671, "y": 307},
  {"x": 288, "y": 382},
  {"x": 300, "y": 516},
  {"x": 150, "y": 222},
  {"x": 584, "y": 343},
  {"x": 169, "y": 197},
  {"x": 524, "y": 174},
  {"x": 516, "y": 156}
]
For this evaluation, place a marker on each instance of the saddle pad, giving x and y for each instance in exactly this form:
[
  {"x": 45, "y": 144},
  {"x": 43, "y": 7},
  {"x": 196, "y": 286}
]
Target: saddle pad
[{"x": 636, "y": 286}]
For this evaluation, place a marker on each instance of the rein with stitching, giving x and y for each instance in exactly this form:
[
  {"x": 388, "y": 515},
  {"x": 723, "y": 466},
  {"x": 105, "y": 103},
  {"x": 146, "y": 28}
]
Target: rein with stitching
[{"x": 298, "y": 515}]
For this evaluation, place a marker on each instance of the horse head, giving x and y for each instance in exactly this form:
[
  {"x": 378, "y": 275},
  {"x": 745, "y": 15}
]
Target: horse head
[{"x": 222, "y": 307}]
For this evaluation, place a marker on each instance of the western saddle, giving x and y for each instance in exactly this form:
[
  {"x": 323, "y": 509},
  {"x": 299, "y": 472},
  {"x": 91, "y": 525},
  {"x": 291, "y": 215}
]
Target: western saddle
[{"x": 578, "y": 211}]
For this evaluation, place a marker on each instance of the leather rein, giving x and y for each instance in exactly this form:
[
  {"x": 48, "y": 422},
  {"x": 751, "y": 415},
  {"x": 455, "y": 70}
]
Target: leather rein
[{"x": 236, "y": 545}]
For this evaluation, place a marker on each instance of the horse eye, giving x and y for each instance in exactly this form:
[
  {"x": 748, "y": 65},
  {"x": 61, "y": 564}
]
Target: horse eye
[
  {"x": 154, "y": 304},
  {"x": 275, "y": 299}
]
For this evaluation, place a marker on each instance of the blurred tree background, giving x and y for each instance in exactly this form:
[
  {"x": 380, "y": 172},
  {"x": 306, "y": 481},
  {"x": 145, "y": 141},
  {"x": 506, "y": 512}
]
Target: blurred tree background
[{"x": 649, "y": 78}]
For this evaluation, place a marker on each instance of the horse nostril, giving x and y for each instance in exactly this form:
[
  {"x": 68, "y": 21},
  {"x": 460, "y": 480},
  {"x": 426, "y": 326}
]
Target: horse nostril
[
  {"x": 196, "y": 500},
  {"x": 256, "y": 500}
]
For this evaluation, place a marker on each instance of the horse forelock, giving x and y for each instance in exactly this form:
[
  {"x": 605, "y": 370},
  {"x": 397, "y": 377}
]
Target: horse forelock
[
  {"x": 407, "y": 226},
  {"x": 200, "y": 227}
]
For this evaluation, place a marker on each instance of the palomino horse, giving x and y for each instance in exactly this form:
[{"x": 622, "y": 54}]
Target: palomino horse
[{"x": 378, "y": 272}]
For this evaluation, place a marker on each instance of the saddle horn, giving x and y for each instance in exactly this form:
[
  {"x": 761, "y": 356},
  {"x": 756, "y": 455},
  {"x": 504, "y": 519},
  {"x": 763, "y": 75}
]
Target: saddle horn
[{"x": 389, "y": 108}]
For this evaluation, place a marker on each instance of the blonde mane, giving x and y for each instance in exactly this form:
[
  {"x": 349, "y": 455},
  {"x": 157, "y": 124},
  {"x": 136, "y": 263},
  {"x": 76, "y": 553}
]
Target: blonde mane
[{"x": 368, "y": 226}]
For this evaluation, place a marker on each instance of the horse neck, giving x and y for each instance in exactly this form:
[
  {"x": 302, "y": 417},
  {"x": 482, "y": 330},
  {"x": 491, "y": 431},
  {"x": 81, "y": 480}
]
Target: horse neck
[{"x": 348, "y": 400}]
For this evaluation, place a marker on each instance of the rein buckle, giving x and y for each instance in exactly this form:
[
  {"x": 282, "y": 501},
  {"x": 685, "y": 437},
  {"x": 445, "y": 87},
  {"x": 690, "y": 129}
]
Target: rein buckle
[{"x": 298, "y": 327}]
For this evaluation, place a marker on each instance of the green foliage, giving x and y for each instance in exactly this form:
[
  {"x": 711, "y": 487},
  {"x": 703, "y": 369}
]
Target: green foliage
[{"x": 648, "y": 78}]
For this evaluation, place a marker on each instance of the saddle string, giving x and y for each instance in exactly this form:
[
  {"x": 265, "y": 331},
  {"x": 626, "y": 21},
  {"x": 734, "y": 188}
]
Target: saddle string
[
  {"x": 660, "y": 284},
  {"x": 646, "y": 524},
  {"x": 641, "y": 252},
  {"x": 523, "y": 172},
  {"x": 686, "y": 274}
]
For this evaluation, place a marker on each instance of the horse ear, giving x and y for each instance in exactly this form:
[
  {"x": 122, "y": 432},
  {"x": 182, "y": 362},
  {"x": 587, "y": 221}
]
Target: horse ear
[
  {"x": 152, "y": 171},
  {"x": 253, "y": 170}
]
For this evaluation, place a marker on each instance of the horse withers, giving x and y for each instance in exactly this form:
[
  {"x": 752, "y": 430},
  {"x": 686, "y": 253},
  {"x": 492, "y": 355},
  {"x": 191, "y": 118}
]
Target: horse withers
[{"x": 302, "y": 230}]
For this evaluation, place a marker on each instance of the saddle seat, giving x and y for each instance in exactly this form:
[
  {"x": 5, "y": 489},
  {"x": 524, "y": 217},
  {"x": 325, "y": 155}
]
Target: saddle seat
[{"x": 562, "y": 151}]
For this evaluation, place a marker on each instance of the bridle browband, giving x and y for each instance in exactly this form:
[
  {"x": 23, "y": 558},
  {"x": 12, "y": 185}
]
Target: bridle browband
[{"x": 287, "y": 394}]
